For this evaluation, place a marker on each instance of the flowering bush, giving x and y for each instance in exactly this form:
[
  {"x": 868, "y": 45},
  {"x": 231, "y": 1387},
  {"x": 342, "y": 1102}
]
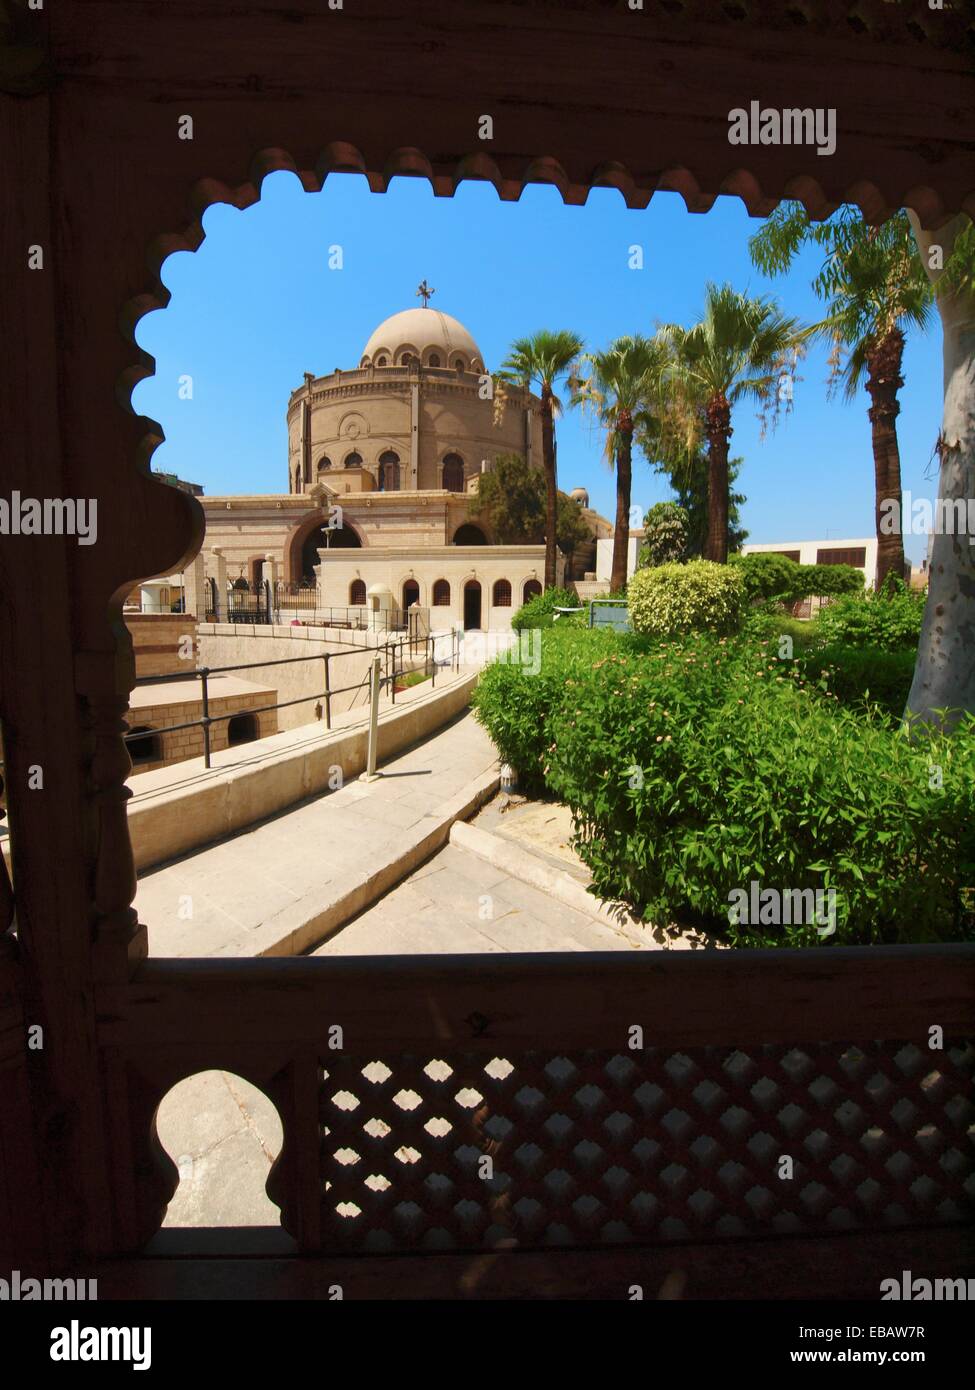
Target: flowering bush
[{"x": 674, "y": 599}]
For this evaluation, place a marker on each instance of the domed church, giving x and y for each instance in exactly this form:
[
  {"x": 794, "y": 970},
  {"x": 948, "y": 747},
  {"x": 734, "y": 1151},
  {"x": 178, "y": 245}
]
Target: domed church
[{"x": 382, "y": 460}]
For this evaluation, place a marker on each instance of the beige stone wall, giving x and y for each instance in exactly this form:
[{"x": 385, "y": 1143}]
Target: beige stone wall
[
  {"x": 156, "y": 642},
  {"x": 188, "y": 743},
  {"x": 228, "y": 644},
  {"x": 457, "y": 564},
  {"x": 370, "y": 410}
]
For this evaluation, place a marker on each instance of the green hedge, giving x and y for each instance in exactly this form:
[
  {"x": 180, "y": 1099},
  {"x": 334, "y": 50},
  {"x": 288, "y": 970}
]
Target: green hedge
[
  {"x": 539, "y": 611},
  {"x": 695, "y": 767},
  {"x": 775, "y": 579},
  {"x": 888, "y": 622},
  {"x": 670, "y": 599}
]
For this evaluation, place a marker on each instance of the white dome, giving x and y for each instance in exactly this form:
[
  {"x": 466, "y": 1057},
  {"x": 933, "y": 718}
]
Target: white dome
[{"x": 424, "y": 333}]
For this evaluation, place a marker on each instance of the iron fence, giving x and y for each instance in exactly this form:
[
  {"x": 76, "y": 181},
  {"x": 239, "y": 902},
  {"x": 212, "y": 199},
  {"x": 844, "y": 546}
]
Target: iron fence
[{"x": 393, "y": 671}]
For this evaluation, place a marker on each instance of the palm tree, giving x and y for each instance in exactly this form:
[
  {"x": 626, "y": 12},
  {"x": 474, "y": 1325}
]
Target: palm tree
[
  {"x": 540, "y": 361},
  {"x": 622, "y": 388},
  {"x": 740, "y": 348},
  {"x": 875, "y": 286}
]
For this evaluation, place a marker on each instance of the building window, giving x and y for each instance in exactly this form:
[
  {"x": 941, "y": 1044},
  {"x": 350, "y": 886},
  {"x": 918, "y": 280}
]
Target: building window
[
  {"x": 459, "y": 364},
  {"x": 453, "y": 473},
  {"x": 441, "y": 594},
  {"x": 323, "y": 463},
  {"x": 531, "y": 590},
  {"x": 297, "y": 480},
  {"x": 241, "y": 729},
  {"x": 357, "y": 593},
  {"x": 789, "y": 554},
  {"x": 411, "y": 593},
  {"x": 434, "y": 360},
  {"x": 853, "y": 555},
  {"x": 354, "y": 460},
  {"x": 389, "y": 472},
  {"x": 146, "y": 748},
  {"x": 380, "y": 361},
  {"x": 502, "y": 594}
]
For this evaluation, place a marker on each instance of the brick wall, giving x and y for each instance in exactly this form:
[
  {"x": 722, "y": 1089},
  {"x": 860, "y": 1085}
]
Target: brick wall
[
  {"x": 188, "y": 743},
  {"x": 156, "y": 640}
]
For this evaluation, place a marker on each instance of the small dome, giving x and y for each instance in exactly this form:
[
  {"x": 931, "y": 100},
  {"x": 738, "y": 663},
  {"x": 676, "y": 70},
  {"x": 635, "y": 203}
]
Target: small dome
[
  {"x": 436, "y": 338},
  {"x": 580, "y": 495}
]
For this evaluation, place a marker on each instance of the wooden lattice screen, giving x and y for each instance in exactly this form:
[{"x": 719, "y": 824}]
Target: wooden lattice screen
[{"x": 601, "y": 1147}]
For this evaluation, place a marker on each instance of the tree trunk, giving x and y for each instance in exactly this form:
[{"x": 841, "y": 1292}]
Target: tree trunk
[
  {"x": 944, "y": 677},
  {"x": 719, "y": 432},
  {"x": 551, "y": 485},
  {"x": 624, "y": 486},
  {"x": 884, "y": 380}
]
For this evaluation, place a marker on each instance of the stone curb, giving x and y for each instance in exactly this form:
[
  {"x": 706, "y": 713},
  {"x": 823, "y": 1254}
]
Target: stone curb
[
  {"x": 555, "y": 883},
  {"x": 304, "y": 925}
]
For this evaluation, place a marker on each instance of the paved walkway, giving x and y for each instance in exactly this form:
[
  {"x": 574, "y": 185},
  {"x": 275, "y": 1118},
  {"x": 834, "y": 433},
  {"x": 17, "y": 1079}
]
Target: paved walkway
[
  {"x": 457, "y": 902},
  {"x": 224, "y": 899}
]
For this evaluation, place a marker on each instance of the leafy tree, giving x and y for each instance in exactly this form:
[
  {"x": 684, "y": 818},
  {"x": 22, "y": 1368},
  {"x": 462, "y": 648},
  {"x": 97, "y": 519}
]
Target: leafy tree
[
  {"x": 511, "y": 498},
  {"x": 541, "y": 361},
  {"x": 742, "y": 347},
  {"x": 875, "y": 287},
  {"x": 622, "y": 387},
  {"x": 573, "y": 529},
  {"x": 665, "y": 530}
]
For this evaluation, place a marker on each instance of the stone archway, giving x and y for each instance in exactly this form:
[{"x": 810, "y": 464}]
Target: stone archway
[{"x": 307, "y": 538}]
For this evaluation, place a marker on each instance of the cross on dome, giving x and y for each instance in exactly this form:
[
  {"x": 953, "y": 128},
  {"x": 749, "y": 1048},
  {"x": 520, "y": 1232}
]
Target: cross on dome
[{"x": 424, "y": 292}]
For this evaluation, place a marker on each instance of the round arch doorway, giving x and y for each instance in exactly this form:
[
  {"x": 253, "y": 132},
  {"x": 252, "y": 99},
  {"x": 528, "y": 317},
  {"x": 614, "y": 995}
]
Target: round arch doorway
[
  {"x": 325, "y": 538},
  {"x": 472, "y": 605}
]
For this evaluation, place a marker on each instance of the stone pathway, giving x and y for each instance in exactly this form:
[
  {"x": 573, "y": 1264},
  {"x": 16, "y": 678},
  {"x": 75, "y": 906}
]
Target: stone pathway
[{"x": 242, "y": 896}]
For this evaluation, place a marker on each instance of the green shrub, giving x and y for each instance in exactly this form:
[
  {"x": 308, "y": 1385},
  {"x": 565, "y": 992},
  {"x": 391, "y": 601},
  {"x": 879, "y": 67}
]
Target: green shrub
[
  {"x": 775, "y": 579},
  {"x": 673, "y": 599},
  {"x": 862, "y": 675},
  {"x": 539, "y": 611},
  {"x": 696, "y": 767},
  {"x": 889, "y": 622}
]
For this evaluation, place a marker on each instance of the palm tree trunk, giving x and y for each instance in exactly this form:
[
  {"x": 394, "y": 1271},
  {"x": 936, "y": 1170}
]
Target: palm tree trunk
[
  {"x": 624, "y": 486},
  {"x": 944, "y": 677},
  {"x": 551, "y": 485},
  {"x": 719, "y": 433},
  {"x": 884, "y": 380}
]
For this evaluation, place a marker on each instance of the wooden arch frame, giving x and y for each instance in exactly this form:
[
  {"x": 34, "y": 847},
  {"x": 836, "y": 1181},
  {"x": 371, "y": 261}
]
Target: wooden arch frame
[{"x": 94, "y": 102}]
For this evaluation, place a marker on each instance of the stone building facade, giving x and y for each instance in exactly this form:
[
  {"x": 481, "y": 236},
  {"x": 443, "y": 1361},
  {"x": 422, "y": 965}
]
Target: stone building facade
[{"x": 382, "y": 461}]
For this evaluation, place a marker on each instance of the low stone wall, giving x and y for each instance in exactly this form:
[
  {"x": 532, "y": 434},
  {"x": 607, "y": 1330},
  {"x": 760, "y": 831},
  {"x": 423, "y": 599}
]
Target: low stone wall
[
  {"x": 231, "y": 644},
  {"x": 157, "y": 639},
  {"x": 172, "y": 820},
  {"x": 177, "y": 747}
]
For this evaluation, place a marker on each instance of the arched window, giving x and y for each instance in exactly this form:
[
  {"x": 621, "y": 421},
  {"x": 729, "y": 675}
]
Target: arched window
[
  {"x": 146, "y": 748},
  {"x": 453, "y": 473},
  {"x": 502, "y": 594},
  {"x": 441, "y": 594},
  {"x": 354, "y": 460},
  {"x": 459, "y": 364},
  {"x": 411, "y": 593},
  {"x": 380, "y": 361},
  {"x": 297, "y": 480},
  {"x": 242, "y": 728},
  {"x": 389, "y": 471},
  {"x": 357, "y": 593},
  {"x": 434, "y": 360},
  {"x": 531, "y": 590},
  {"x": 324, "y": 462}
]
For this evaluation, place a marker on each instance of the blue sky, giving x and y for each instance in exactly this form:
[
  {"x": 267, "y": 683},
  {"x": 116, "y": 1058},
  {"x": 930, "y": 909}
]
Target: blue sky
[{"x": 257, "y": 305}]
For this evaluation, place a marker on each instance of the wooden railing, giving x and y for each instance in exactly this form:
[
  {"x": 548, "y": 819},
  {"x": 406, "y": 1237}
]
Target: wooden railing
[{"x": 469, "y": 1102}]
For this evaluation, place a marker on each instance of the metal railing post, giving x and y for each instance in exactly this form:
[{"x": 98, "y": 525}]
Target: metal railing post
[
  {"x": 206, "y": 716},
  {"x": 392, "y": 684},
  {"x": 328, "y": 696},
  {"x": 432, "y": 644},
  {"x": 370, "y": 773}
]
